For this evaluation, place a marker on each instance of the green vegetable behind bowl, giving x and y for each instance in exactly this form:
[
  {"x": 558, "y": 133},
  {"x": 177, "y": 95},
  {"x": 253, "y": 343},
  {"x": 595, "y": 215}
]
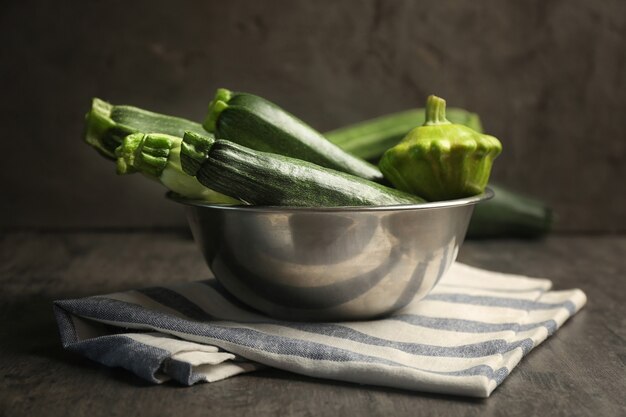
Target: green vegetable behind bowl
[{"x": 370, "y": 139}]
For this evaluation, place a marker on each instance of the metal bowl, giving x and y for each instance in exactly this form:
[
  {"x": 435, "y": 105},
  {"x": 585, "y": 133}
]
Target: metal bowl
[{"x": 339, "y": 263}]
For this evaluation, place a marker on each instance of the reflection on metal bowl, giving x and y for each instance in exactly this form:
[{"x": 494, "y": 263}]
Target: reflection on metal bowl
[{"x": 340, "y": 263}]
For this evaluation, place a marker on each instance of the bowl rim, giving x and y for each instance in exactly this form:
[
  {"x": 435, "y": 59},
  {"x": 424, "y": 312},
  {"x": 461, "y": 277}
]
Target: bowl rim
[{"x": 459, "y": 202}]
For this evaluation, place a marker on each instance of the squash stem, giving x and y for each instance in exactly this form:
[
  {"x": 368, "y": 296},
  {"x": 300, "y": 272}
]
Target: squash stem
[{"x": 435, "y": 111}]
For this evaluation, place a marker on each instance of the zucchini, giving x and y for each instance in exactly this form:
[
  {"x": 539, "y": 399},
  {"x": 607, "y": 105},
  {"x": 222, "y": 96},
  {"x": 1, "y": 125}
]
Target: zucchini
[
  {"x": 509, "y": 214},
  {"x": 263, "y": 178},
  {"x": 256, "y": 123},
  {"x": 157, "y": 156},
  {"x": 108, "y": 124},
  {"x": 371, "y": 138}
]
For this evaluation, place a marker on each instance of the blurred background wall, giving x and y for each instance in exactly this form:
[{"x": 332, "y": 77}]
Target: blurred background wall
[{"x": 547, "y": 77}]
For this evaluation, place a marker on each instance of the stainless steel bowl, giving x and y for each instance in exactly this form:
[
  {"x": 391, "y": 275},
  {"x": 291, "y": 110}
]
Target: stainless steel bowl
[{"x": 343, "y": 263}]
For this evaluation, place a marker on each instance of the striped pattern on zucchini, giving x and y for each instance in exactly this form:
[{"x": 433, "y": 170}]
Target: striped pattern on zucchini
[
  {"x": 256, "y": 123},
  {"x": 263, "y": 178}
]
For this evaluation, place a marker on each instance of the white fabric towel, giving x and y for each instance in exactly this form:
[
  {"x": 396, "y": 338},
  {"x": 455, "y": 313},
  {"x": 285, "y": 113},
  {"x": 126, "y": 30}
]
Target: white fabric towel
[{"x": 464, "y": 338}]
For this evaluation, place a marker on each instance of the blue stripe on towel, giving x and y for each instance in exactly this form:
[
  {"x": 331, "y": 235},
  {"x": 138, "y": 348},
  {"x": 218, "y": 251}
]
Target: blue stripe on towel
[
  {"x": 459, "y": 325},
  {"x": 127, "y": 313},
  {"x": 492, "y": 289},
  {"x": 470, "y": 326},
  {"x": 117, "y": 350},
  {"x": 122, "y": 312},
  {"x": 472, "y": 350},
  {"x": 182, "y": 372},
  {"x": 175, "y": 300},
  {"x": 515, "y": 303},
  {"x": 498, "y": 375}
]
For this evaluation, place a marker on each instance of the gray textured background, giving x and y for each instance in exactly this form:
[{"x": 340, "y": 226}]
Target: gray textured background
[{"x": 547, "y": 77}]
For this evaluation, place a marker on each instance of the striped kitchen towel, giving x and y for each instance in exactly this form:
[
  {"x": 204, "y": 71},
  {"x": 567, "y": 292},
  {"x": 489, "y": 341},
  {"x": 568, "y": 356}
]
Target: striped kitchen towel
[{"x": 464, "y": 338}]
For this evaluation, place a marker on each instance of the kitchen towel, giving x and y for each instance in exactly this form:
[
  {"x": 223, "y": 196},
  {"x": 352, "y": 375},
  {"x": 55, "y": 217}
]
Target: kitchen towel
[{"x": 464, "y": 338}]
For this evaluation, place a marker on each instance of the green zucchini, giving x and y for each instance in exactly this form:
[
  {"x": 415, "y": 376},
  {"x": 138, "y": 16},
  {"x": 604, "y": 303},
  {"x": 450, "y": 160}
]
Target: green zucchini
[
  {"x": 263, "y": 178},
  {"x": 108, "y": 124},
  {"x": 258, "y": 124},
  {"x": 371, "y": 138},
  {"x": 157, "y": 156},
  {"x": 509, "y": 214}
]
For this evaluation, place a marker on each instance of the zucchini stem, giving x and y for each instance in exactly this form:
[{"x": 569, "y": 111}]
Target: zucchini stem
[
  {"x": 146, "y": 153},
  {"x": 217, "y": 106},
  {"x": 194, "y": 151}
]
